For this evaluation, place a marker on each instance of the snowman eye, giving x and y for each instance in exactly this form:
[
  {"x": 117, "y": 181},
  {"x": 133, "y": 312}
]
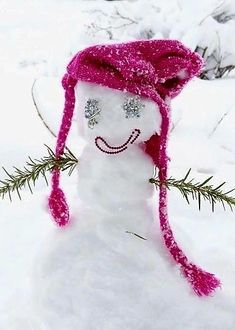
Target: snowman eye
[
  {"x": 92, "y": 112},
  {"x": 133, "y": 107}
]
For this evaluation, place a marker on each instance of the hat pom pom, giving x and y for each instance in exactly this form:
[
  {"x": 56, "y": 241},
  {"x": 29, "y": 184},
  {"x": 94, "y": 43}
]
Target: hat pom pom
[
  {"x": 203, "y": 283},
  {"x": 58, "y": 207}
]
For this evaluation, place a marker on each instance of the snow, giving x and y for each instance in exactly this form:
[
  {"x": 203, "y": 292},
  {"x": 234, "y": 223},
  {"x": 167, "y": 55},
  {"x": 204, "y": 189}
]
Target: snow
[{"x": 92, "y": 274}]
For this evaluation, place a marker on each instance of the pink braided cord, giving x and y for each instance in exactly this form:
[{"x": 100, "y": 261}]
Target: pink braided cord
[
  {"x": 202, "y": 282},
  {"x": 57, "y": 201}
]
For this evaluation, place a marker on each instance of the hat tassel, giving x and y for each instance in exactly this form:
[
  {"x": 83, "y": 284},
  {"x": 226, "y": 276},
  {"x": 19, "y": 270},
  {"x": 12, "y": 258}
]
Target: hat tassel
[
  {"x": 202, "y": 282},
  {"x": 57, "y": 201}
]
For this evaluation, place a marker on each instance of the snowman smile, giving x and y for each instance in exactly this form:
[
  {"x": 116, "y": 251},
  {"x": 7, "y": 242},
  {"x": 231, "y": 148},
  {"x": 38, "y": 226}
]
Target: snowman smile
[{"x": 103, "y": 146}]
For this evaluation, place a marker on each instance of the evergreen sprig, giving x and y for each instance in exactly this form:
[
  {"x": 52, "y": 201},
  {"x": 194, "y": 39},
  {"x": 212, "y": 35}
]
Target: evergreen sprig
[
  {"x": 34, "y": 169},
  {"x": 199, "y": 190}
]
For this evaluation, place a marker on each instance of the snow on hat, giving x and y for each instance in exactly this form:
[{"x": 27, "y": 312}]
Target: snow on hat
[{"x": 158, "y": 70}]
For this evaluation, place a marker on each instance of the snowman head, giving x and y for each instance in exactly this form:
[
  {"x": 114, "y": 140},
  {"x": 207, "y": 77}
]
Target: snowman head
[
  {"x": 118, "y": 117},
  {"x": 123, "y": 93}
]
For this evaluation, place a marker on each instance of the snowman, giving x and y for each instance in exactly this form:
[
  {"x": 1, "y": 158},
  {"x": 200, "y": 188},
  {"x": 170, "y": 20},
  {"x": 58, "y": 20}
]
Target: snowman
[{"x": 102, "y": 268}]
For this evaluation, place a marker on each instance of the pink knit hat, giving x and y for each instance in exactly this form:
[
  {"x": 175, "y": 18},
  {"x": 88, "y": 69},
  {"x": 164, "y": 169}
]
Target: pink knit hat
[{"x": 158, "y": 70}]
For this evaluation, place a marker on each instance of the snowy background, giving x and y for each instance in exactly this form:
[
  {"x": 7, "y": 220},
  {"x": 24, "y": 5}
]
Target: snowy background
[{"x": 37, "y": 40}]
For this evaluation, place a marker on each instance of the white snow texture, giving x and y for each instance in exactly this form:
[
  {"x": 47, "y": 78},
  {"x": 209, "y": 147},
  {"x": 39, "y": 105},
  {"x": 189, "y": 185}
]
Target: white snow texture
[{"x": 96, "y": 274}]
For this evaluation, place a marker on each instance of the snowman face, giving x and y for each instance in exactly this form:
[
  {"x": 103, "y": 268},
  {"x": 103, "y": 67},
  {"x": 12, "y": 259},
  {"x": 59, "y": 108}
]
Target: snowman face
[{"x": 115, "y": 116}]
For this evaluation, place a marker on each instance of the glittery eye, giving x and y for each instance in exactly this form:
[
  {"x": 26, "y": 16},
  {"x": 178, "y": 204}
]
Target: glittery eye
[
  {"x": 133, "y": 107},
  {"x": 92, "y": 112}
]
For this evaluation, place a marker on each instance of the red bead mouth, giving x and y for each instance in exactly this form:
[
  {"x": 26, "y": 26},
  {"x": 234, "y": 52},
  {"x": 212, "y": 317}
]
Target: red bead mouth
[{"x": 103, "y": 146}]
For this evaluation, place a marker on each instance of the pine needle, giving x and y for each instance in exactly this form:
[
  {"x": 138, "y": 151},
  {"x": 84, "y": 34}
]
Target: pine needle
[
  {"x": 34, "y": 169},
  {"x": 199, "y": 190}
]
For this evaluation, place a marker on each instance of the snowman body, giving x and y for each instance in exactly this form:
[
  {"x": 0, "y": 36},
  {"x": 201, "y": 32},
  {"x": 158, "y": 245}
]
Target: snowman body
[{"x": 98, "y": 272}]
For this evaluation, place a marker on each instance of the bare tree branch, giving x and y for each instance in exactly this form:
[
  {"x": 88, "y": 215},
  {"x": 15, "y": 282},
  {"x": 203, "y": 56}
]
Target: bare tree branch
[{"x": 40, "y": 115}]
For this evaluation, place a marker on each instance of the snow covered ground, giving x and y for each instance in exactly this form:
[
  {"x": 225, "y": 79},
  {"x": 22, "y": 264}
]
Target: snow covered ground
[{"x": 29, "y": 239}]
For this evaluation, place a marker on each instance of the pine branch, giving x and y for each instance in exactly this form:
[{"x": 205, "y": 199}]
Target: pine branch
[
  {"x": 199, "y": 191},
  {"x": 34, "y": 169}
]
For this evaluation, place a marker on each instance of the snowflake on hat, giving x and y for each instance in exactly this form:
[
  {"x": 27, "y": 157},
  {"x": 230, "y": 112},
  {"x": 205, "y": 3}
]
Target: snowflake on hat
[{"x": 127, "y": 128}]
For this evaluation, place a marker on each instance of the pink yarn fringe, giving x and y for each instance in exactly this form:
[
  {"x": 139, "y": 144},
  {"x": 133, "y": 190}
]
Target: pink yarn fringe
[
  {"x": 202, "y": 282},
  {"x": 59, "y": 207}
]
